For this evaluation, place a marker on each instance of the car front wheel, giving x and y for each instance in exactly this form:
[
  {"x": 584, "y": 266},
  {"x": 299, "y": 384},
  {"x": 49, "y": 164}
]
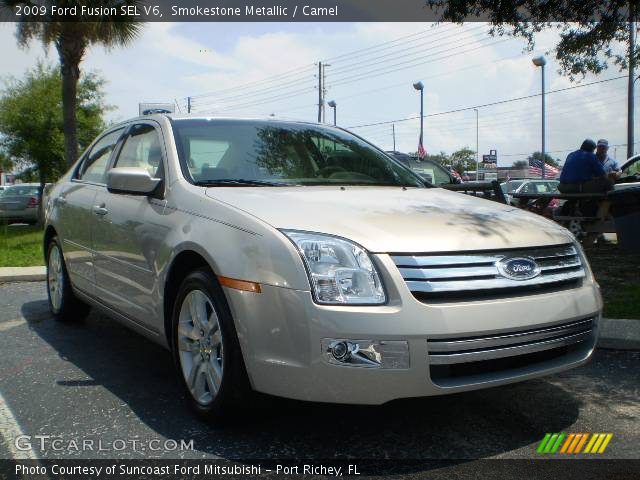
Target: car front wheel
[
  {"x": 205, "y": 348},
  {"x": 64, "y": 305}
]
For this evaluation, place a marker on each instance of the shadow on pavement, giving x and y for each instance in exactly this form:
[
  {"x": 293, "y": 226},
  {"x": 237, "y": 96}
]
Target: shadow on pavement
[{"x": 462, "y": 426}]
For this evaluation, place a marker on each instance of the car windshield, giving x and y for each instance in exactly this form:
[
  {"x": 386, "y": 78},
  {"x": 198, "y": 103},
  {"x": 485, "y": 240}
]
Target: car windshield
[
  {"x": 268, "y": 153},
  {"x": 510, "y": 187}
]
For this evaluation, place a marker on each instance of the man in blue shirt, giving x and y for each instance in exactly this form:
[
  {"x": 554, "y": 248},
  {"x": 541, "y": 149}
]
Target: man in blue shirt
[
  {"x": 583, "y": 173},
  {"x": 609, "y": 164}
]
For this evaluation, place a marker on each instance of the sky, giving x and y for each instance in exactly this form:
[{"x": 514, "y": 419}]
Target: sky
[{"x": 262, "y": 69}]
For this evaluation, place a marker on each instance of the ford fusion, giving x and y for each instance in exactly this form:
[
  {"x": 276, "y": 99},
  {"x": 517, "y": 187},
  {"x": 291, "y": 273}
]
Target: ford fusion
[{"x": 300, "y": 261}]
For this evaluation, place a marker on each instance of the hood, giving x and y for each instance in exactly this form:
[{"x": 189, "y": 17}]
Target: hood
[{"x": 386, "y": 219}]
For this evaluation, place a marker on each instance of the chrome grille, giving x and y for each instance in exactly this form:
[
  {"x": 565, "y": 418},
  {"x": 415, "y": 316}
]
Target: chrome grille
[
  {"x": 450, "y": 351},
  {"x": 469, "y": 273}
]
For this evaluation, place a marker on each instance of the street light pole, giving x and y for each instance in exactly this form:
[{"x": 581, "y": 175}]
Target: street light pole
[
  {"x": 334, "y": 105},
  {"x": 420, "y": 86},
  {"x": 630, "y": 94},
  {"x": 541, "y": 62},
  {"x": 477, "y": 147}
]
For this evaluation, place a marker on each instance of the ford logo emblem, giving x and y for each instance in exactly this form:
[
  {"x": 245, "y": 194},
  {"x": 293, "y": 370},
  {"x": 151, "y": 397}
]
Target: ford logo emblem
[{"x": 520, "y": 268}]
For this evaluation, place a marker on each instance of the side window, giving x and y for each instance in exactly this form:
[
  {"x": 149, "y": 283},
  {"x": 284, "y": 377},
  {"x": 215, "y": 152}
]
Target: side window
[
  {"x": 142, "y": 149},
  {"x": 95, "y": 166}
]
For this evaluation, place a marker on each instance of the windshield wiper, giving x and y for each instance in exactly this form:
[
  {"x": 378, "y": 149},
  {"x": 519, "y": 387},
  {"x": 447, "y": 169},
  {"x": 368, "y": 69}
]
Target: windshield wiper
[{"x": 239, "y": 182}]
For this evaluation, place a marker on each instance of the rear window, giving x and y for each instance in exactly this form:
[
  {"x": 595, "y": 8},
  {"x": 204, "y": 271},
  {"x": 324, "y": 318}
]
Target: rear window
[{"x": 22, "y": 190}]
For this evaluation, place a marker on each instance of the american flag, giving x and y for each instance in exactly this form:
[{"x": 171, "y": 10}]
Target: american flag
[
  {"x": 535, "y": 168},
  {"x": 421, "y": 151}
]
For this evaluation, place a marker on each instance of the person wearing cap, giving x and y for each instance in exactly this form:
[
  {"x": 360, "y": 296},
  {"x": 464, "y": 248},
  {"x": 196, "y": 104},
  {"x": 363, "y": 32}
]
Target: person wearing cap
[
  {"x": 583, "y": 173},
  {"x": 609, "y": 164}
]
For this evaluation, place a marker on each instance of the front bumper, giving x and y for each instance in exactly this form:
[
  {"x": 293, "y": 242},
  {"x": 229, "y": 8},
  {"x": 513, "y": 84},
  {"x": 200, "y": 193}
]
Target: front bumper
[{"x": 281, "y": 333}]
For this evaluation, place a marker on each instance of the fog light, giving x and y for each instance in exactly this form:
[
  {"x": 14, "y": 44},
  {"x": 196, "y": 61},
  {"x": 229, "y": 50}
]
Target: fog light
[
  {"x": 339, "y": 350},
  {"x": 388, "y": 354}
]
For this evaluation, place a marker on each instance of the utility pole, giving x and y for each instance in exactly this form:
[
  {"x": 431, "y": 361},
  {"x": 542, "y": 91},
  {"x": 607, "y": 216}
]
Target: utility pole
[
  {"x": 320, "y": 93},
  {"x": 324, "y": 90},
  {"x": 630, "y": 94},
  {"x": 477, "y": 147},
  {"x": 393, "y": 131},
  {"x": 188, "y": 104}
]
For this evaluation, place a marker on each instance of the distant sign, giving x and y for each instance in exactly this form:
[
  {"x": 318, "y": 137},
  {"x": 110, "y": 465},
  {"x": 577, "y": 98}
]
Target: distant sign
[
  {"x": 490, "y": 162},
  {"x": 150, "y": 108}
]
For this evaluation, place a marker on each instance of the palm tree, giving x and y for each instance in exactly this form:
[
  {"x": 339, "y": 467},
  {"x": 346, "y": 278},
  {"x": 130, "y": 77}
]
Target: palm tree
[{"x": 71, "y": 39}]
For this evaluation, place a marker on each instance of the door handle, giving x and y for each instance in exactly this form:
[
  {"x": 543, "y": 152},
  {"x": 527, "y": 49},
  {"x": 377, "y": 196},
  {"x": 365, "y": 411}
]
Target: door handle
[
  {"x": 61, "y": 200},
  {"x": 100, "y": 210}
]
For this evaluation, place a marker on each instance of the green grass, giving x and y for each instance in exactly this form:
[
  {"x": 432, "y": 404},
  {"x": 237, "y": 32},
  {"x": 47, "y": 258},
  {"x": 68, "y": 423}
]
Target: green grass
[
  {"x": 619, "y": 277},
  {"x": 20, "y": 246}
]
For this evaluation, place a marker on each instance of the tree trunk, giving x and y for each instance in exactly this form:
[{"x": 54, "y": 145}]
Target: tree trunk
[{"x": 71, "y": 50}]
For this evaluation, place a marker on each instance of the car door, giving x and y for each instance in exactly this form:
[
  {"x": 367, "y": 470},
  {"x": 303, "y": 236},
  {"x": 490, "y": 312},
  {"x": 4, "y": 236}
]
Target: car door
[
  {"x": 75, "y": 206},
  {"x": 130, "y": 231}
]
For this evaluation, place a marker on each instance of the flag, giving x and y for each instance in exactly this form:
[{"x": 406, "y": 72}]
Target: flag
[
  {"x": 455, "y": 175},
  {"x": 421, "y": 151},
  {"x": 535, "y": 168}
]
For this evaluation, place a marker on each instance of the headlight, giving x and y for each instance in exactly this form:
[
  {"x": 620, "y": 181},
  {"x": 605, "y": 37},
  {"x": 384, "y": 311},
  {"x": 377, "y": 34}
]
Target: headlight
[{"x": 340, "y": 272}]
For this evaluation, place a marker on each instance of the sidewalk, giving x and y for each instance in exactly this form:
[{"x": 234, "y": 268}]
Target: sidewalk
[{"x": 616, "y": 334}]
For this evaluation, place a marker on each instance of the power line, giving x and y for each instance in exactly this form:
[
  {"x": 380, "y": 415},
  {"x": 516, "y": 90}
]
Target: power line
[
  {"x": 399, "y": 39},
  {"x": 490, "y": 104},
  {"x": 417, "y": 49},
  {"x": 301, "y": 80},
  {"x": 413, "y": 63},
  {"x": 269, "y": 90},
  {"x": 268, "y": 79}
]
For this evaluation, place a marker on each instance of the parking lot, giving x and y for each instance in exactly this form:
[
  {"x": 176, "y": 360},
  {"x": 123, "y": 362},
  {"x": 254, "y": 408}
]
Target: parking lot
[{"x": 99, "y": 381}]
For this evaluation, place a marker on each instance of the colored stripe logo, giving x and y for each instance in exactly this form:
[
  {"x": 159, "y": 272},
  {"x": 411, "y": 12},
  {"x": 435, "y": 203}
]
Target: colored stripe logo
[{"x": 574, "y": 443}]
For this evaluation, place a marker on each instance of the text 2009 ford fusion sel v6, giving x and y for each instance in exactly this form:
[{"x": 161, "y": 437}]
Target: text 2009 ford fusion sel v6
[{"x": 299, "y": 260}]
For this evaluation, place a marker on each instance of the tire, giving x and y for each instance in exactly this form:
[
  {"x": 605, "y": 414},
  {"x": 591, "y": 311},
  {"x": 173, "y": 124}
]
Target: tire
[
  {"x": 64, "y": 305},
  {"x": 206, "y": 351}
]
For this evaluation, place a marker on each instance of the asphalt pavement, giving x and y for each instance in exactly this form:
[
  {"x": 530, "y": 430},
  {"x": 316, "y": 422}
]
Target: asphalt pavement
[{"x": 99, "y": 382}]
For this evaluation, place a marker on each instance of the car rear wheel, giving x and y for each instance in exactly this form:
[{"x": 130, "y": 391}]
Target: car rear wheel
[
  {"x": 206, "y": 350},
  {"x": 64, "y": 305}
]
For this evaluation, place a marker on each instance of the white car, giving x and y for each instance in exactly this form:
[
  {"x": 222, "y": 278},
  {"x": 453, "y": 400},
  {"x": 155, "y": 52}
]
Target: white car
[{"x": 527, "y": 186}]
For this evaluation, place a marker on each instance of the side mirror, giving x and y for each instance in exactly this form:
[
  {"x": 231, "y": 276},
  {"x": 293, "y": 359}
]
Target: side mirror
[{"x": 131, "y": 180}]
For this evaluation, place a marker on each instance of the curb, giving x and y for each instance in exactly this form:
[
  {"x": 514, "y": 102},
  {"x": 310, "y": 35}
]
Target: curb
[
  {"x": 619, "y": 334},
  {"x": 22, "y": 274}
]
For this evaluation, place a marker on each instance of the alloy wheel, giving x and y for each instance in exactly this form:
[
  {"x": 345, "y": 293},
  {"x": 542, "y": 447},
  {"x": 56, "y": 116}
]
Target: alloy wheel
[
  {"x": 55, "y": 277},
  {"x": 200, "y": 347}
]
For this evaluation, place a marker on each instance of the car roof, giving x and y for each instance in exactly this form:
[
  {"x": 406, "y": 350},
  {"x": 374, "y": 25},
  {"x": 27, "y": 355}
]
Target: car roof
[{"x": 196, "y": 116}]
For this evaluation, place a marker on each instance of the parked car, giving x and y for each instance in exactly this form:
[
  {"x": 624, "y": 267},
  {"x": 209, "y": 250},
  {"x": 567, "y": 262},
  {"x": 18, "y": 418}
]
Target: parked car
[
  {"x": 428, "y": 170},
  {"x": 19, "y": 203},
  {"x": 630, "y": 173},
  {"x": 299, "y": 260},
  {"x": 527, "y": 186}
]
